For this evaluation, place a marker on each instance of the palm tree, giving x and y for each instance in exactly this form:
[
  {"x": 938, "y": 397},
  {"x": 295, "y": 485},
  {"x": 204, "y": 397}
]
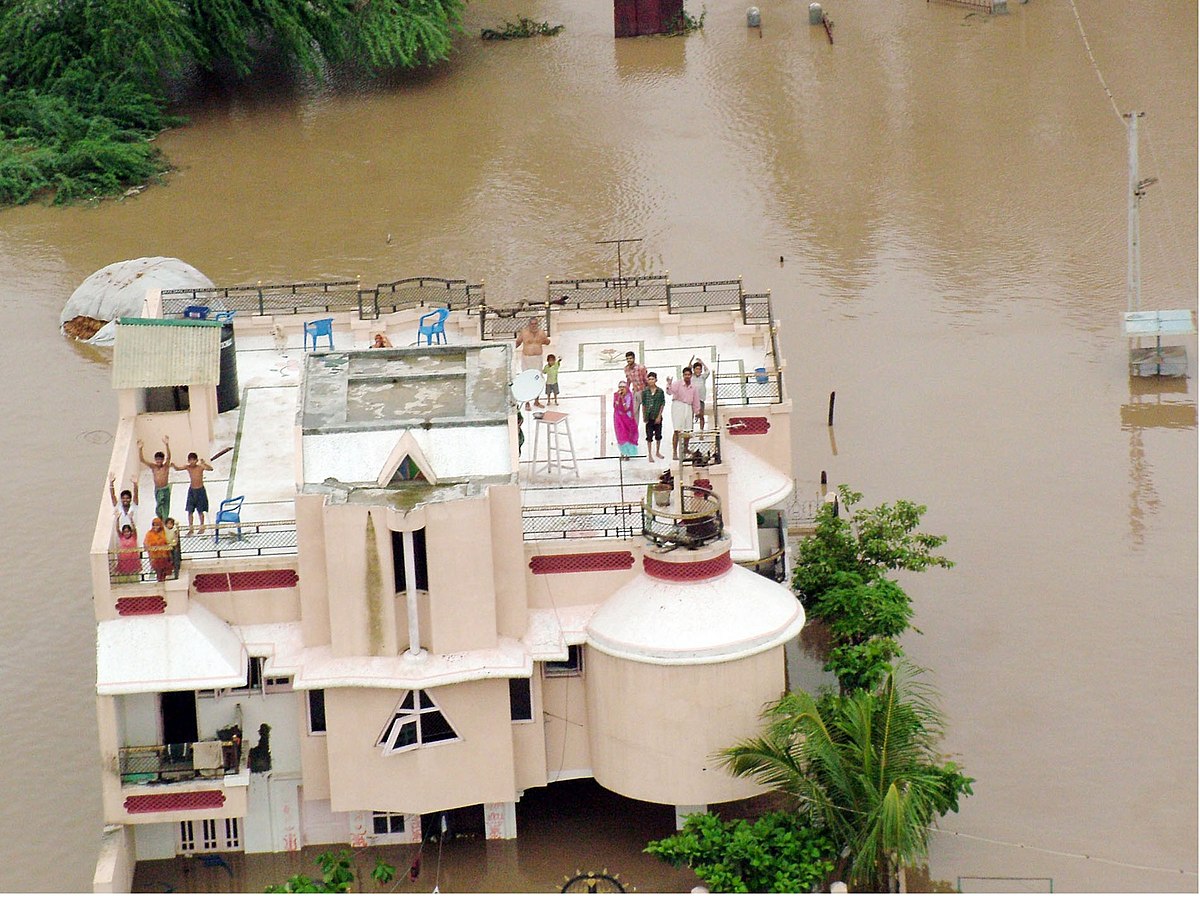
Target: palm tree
[{"x": 865, "y": 765}]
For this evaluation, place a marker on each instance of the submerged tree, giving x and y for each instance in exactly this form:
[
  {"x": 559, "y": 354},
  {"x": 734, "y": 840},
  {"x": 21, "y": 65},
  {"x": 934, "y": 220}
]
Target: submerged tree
[
  {"x": 82, "y": 82},
  {"x": 863, "y": 765},
  {"x": 779, "y": 853},
  {"x": 840, "y": 577}
]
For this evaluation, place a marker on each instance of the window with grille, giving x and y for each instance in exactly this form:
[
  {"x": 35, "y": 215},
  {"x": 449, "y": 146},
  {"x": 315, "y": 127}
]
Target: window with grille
[
  {"x": 387, "y": 822},
  {"x": 417, "y": 722},
  {"x": 210, "y": 834}
]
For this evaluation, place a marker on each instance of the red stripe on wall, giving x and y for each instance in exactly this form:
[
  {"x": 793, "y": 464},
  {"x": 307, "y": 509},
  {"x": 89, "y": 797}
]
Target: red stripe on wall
[
  {"x": 257, "y": 580},
  {"x": 697, "y": 570},
  {"x": 152, "y": 803},
  {"x": 141, "y": 606},
  {"x": 581, "y": 562}
]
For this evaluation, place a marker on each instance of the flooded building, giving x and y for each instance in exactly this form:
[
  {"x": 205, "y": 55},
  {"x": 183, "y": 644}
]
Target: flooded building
[{"x": 421, "y": 600}]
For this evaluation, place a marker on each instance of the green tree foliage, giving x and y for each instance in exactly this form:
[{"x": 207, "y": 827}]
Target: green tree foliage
[
  {"x": 82, "y": 81},
  {"x": 865, "y": 766},
  {"x": 337, "y": 877},
  {"x": 779, "y": 853},
  {"x": 840, "y": 578}
]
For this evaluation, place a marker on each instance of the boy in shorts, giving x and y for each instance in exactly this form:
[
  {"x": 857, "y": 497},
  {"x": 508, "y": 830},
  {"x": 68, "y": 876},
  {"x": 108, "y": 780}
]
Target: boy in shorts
[
  {"x": 550, "y": 370},
  {"x": 197, "y": 496}
]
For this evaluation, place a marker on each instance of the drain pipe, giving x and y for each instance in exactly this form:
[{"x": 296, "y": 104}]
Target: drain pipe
[{"x": 410, "y": 593}]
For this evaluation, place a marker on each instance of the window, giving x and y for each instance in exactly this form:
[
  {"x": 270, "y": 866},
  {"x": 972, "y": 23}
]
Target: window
[
  {"x": 316, "y": 712},
  {"x": 420, "y": 564},
  {"x": 572, "y": 665},
  {"x": 213, "y": 834},
  {"x": 416, "y": 722},
  {"x": 387, "y": 822},
  {"x": 520, "y": 700}
]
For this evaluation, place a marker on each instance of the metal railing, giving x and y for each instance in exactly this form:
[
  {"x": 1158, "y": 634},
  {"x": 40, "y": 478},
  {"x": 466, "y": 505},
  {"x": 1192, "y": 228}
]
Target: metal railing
[
  {"x": 756, "y": 309},
  {"x": 773, "y": 566},
  {"x": 130, "y": 566},
  {"x": 224, "y": 541},
  {"x": 698, "y": 524},
  {"x": 748, "y": 388},
  {"x": 262, "y": 299},
  {"x": 238, "y": 539},
  {"x": 175, "y": 762},
  {"x": 700, "y": 448},
  {"x": 581, "y": 520},
  {"x": 608, "y": 293},
  {"x": 704, "y": 296},
  {"x": 502, "y": 324},
  {"x": 411, "y": 293}
]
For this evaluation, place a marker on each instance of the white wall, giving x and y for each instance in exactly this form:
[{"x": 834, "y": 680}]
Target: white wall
[
  {"x": 137, "y": 720},
  {"x": 320, "y": 825},
  {"x": 280, "y": 711},
  {"x": 156, "y": 841},
  {"x": 272, "y": 814}
]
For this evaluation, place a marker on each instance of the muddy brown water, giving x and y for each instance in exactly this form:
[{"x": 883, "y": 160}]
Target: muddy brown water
[{"x": 937, "y": 203}]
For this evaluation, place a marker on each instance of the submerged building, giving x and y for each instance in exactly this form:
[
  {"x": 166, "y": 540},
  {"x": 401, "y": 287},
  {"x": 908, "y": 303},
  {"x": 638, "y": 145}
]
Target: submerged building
[{"x": 405, "y": 613}]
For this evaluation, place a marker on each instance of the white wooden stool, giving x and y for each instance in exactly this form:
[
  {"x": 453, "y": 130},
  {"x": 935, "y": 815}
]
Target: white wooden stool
[{"x": 557, "y": 425}]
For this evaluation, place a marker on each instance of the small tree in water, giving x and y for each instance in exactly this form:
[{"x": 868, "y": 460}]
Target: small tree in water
[
  {"x": 864, "y": 766},
  {"x": 840, "y": 579},
  {"x": 336, "y": 877}
]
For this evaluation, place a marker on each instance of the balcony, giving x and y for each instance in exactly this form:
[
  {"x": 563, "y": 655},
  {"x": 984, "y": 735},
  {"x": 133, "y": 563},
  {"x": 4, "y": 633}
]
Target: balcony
[
  {"x": 696, "y": 524},
  {"x": 229, "y": 540},
  {"x": 174, "y": 763}
]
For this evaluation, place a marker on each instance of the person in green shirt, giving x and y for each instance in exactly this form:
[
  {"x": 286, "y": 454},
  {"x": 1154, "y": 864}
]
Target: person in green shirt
[
  {"x": 550, "y": 370},
  {"x": 653, "y": 403}
]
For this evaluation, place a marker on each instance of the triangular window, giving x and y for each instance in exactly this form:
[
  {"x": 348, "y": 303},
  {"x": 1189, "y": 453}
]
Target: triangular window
[
  {"x": 406, "y": 471},
  {"x": 416, "y": 722}
]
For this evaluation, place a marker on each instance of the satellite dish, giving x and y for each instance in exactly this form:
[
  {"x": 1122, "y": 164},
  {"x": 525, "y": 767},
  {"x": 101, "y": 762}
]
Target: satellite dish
[{"x": 528, "y": 386}]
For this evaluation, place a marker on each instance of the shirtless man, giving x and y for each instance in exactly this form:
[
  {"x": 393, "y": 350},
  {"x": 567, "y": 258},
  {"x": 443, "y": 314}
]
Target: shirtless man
[
  {"x": 531, "y": 339},
  {"x": 197, "y": 498},
  {"x": 161, "y": 470}
]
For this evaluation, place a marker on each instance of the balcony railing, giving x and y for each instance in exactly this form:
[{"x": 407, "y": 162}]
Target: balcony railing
[
  {"x": 772, "y": 567},
  {"x": 699, "y": 522},
  {"x": 701, "y": 448},
  {"x": 581, "y": 520},
  {"x": 760, "y": 388},
  {"x": 179, "y": 762},
  {"x": 228, "y": 540}
]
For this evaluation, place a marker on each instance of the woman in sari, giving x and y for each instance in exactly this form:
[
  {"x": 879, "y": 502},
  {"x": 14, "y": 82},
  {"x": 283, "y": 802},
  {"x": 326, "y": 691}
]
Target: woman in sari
[
  {"x": 129, "y": 559},
  {"x": 625, "y": 424},
  {"x": 159, "y": 551}
]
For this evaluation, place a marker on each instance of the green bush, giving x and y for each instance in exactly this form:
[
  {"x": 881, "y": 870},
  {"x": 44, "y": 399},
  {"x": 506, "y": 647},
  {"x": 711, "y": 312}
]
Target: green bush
[{"x": 778, "y": 853}]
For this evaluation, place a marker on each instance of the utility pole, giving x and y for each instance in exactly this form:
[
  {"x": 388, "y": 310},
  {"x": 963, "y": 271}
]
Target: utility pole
[
  {"x": 1137, "y": 190},
  {"x": 620, "y": 271}
]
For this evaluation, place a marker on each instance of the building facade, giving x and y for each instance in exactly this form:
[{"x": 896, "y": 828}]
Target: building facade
[{"x": 415, "y": 609}]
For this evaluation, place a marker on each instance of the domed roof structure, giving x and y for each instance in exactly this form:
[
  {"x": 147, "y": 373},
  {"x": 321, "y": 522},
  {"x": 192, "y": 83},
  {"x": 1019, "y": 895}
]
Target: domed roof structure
[{"x": 682, "y": 610}]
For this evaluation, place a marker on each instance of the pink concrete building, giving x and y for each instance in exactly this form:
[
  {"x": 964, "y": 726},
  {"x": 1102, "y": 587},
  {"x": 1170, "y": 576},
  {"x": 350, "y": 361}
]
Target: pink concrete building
[{"x": 424, "y": 617}]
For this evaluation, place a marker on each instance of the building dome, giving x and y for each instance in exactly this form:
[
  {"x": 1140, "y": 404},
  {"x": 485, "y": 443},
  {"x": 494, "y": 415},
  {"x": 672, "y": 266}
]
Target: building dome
[{"x": 693, "y": 607}]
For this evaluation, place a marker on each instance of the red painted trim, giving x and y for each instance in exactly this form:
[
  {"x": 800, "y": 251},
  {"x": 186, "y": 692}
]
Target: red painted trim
[
  {"x": 581, "y": 562},
  {"x": 693, "y": 570},
  {"x": 741, "y": 425},
  {"x": 141, "y": 606},
  {"x": 257, "y": 580},
  {"x": 152, "y": 803}
]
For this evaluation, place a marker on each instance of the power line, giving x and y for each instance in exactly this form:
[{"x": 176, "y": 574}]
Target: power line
[{"x": 1095, "y": 67}]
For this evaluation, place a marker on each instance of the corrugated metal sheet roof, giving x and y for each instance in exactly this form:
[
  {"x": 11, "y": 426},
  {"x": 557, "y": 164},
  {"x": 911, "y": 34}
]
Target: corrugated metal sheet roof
[{"x": 166, "y": 352}]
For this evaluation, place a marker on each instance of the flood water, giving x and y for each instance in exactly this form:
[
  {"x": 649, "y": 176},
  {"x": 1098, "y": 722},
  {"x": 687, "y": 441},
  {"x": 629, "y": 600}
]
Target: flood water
[{"x": 937, "y": 203}]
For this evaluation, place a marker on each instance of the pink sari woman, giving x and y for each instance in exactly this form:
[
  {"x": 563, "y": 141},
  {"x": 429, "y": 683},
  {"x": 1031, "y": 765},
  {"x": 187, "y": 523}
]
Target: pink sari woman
[
  {"x": 625, "y": 424},
  {"x": 129, "y": 558}
]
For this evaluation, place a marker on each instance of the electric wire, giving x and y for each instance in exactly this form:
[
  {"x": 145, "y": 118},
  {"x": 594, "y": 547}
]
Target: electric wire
[{"x": 1095, "y": 67}]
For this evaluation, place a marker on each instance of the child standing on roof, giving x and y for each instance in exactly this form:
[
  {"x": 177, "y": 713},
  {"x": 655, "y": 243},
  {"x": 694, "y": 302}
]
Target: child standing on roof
[
  {"x": 550, "y": 370},
  {"x": 197, "y": 498}
]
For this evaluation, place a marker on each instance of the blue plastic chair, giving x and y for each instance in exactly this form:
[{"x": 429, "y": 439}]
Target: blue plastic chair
[
  {"x": 224, "y": 315},
  {"x": 229, "y": 511},
  {"x": 436, "y": 326},
  {"x": 196, "y": 312},
  {"x": 316, "y": 329}
]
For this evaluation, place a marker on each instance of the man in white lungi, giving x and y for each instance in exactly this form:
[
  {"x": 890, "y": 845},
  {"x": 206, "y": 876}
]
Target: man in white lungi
[{"x": 685, "y": 406}]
